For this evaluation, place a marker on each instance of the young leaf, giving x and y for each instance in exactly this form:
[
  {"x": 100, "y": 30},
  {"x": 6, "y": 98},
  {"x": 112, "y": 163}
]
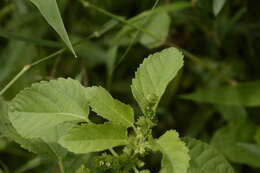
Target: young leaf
[
  {"x": 243, "y": 94},
  {"x": 217, "y": 6},
  {"x": 36, "y": 146},
  {"x": 227, "y": 138},
  {"x": 50, "y": 11},
  {"x": 106, "y": 106},
  {"x": 206, "y": 159},
  {"x": 46, "y": 109},
  {"x": 94, "y": 137},
  {"x": 153, "y": 76},
  {"x": 175, "y": 153},
  {"x": 158, "y": 25}
]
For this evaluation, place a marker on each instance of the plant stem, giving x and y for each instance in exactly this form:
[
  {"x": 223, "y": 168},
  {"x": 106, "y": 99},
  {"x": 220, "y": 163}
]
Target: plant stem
[
  {"x": 25, "y": 69},
  {"x": 29, "y": 66},
  {"x": 135, "y": 169},
  {"x": 113, "y": 152},
  {"x": 185, "y": 52},
  {"x": 61, "y": 167}
]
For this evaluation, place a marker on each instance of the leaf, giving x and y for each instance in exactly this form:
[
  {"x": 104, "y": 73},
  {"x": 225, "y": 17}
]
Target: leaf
[
  {"x": 252, "y": 148},
  {"x": 243, "y": 94},
  {"x": 158, "y": 25},
  {"x": 106, "y": 106},
  {"x": 50, "y": 11},
  {"x": 111, "y": 62},
  {"x": 226, "y": 139},
  {"x": 206, "y": 159},
  {"x": 141, "y": 20},
  {"x": 46, "y": 110},
  {"x": 153, "y": 76},
  {"x": 94, "y": 137},
  {"x": 217, "y": 6},
  {"x": 232, "y": 113},
  {"x": 36, "y": 146},
  {"x": 175, "y": 153},
  {"x": 82, "y": 169}
]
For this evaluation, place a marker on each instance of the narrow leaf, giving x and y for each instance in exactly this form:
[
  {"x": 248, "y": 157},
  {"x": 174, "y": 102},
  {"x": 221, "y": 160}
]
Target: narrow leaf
[
  {"x": 94, "y": 137},
  {"x": 243, "y": 94},
  {"x": 153, "y": 76},
  {"x": 50, "y": 11},
  {"x": 175, "y": 153},
  {"x": 217, "y": 6},
  {"x": 206, "y": 159},
  {"x": 46, "y": 109},
  {"x": 106, "y": 106}
]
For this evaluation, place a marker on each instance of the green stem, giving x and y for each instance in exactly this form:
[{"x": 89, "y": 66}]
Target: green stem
[
  {"x": 113, "y": 152},
  {"x": 29, "y": 66},
  {"x": 135, "y": 170},
  {"x": 185, "y": 52},
  {"x": 25, "y": 69},
  {"x": 61, "y": 167}
]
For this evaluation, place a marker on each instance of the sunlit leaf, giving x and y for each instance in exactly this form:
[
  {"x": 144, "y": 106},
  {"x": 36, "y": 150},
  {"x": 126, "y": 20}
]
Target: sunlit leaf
[
  {"x": 94, "y": 137},
  {"x": 153, "y": 76},
  {"x": 47, "y": 109}
]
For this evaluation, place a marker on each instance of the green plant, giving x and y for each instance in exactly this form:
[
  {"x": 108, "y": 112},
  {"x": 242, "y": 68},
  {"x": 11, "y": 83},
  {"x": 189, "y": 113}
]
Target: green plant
[
  {"x": 51, "y": 118},
  {"x": 70, "y": 127}
]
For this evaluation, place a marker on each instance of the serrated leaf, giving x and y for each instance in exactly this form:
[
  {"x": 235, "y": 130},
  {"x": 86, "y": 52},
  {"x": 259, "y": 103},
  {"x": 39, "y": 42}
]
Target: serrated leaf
[
  {"x": 158, "y": 25},
  {"x": 154, "y": 74},
  {"x": 206, "y": 159},
  {"x": 50, "y": 11},
  {"x": 243, "y": 94},
  {"x": 36, "y": 146},
  {"x": 106, "y": 106},
  {"x": 175, "y": 153},
  {"x": 94, "y": 137},
  {"x": 227, "y": 138},
  {"x": 47, "y": 110},
  {"x": 217, "y": 6}
]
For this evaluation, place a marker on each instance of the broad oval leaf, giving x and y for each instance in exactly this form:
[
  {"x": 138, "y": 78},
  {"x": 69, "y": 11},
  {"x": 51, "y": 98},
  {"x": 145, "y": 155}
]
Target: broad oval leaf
[
  {"x": 158, "y": 25},
  {"x": 146, "y": 20},
  {"x": 106, "y": 106},
  {"x": 175, "y": 153},
  {"x": 226, "y": 140},
  {"x": 46, "y": 109},
  {"x": 37, "y": 146},
  {"x": 153, "y": 76},
  {"x": 243, "y": 94},
  {"x": 50, "y": 11},
  {"x": 94, "y": 137},
  {"x": 206, "y": 159}
]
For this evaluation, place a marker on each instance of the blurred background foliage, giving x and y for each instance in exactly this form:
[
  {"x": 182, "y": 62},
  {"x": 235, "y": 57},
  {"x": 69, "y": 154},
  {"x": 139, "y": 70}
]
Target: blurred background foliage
[{"x": 221, "y": 42}]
